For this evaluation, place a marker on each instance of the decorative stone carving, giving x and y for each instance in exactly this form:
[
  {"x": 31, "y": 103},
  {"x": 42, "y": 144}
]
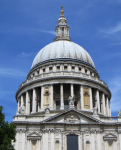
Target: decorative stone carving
[
  {"x": 21, "y": 111},
  {"x": 46, "y": 101},
  {"x": 47, "y": 111},
  {"x": 95, "y": 111},
  {"x": 86, "y": 98},
  {"x": 110, "y": 137},
  {"x": 72, "y": 118},
  {"x": 33, "y": 144},
  {"x": 71, "y": 102},
  {"x": 22, "y": 130},
  {"x": 34, "y": 136},
  {"x": 119, "y": 113},
  {"x": 110, "y": 143}
]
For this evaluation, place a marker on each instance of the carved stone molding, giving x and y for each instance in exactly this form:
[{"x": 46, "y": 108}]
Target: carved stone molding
[
  {"x": 71, "y": 118},
  {"x": 34, "y": 136},
  {"x": 119, "y": 131},
  {"x": 21, "y": 111},
  {"x": 21, "y": 130},
  {"x": 110, "y": 137}
]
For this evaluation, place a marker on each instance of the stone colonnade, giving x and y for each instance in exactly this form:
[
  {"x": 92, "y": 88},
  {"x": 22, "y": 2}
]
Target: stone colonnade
[{"x": 32, "y": 101}]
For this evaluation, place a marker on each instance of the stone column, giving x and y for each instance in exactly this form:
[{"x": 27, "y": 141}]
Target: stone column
[
  {"x": 90, "y": 98},
  {"x": 107, "y": 106},
  {"x": 98, "y": 100},
  {"x": 109, "y": 109},
  {"x": 72, "y": 90},
  {"x": 103, "y": 101},
  {"x": 99, "y": 141},
  {"x": 17, "y": 140},
  {"x": 23, "y": 139},
  {"x": 61, "y": 97},
  {"x": 52, "y": 141},
  {"x": 22, "y": 100},
  {"x": 41, "y": 98},
  {"x": 17, "y": 112},
  {"x": 81, "y": 98},
  {"x": 34, "y": 101},
  {"x": 27, "y": 103},
  {"x": 51, "y": 97}
]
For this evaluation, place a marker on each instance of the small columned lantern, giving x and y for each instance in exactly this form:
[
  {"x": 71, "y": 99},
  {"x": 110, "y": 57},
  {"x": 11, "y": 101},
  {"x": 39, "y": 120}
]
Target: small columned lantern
[{"x": 62, "y": 30}]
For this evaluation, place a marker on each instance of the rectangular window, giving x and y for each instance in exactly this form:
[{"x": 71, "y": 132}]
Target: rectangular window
[
  {"x": 65, "y": 67},
  {"x": 73, "y": 67},
  {"x": 66, "y": 104},
  {"x": 50, "y": 68},
  {"x": 58, "y": 67},
  {"x": 80, "y": 68},
  {"x": 85, "y": 70},
  {"x": 43, "y": 70},
  {"x": 57, "y": 105}
]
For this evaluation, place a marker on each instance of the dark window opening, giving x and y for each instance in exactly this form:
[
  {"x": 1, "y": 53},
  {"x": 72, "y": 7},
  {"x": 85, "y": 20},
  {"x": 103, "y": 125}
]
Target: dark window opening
[
  {"x": 73, "y": 68},
  {"x": 75, "y": 104},
  {"x": 50, "y": 68},
  {"x": 44, "y": 70},
  {"x": 57, "y": 105},
  {"x": 62, "y": 30},
  {"x": 72, "y": 142},
  {"x": 80, "y": 68},
  {"x": 85, "y": 70},
  {"x": 58, "y": 67},
  {"x": 65, "y": 67},
  {"x": 66, "y": 104}
]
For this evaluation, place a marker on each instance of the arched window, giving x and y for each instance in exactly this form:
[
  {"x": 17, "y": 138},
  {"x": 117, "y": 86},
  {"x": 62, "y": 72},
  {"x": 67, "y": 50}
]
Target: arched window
[
  {"x": 87, "y": 145},
  {"x": 57, "y": 145}
]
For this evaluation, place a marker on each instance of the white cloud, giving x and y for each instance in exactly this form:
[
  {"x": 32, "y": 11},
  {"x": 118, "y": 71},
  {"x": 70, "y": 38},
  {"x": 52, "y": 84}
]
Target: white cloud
[
  {"x": 115, "y": 87},
  {"x": 24, "y": 54},
  {"x": 50, "y": 32},
  {"x": 11, "y": 72},
  {"x": 111, "y": 30},
  {"x": 24, "y": 30}
]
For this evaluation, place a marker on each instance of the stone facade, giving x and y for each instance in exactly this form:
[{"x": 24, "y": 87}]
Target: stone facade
[{"x": 64, "y": 105}]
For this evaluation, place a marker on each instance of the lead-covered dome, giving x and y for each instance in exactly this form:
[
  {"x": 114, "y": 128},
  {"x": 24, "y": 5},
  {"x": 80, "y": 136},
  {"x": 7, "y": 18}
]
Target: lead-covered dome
[{"x": 62, "y": 49}]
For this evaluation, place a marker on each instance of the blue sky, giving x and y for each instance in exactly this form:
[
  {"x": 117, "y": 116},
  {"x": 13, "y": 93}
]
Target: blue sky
[{"x": 26, "y": 26}]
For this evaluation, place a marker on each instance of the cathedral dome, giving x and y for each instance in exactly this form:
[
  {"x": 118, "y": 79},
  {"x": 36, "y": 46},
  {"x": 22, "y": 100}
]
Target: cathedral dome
[{"x": 61, "y": 50}]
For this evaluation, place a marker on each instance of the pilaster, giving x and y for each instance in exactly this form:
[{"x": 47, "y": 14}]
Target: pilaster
[
  {"x": 61, "y": 97},
  {"x": 90, "y": 98},
  {"x": 51, "y": 98},
  {"x": 81, "y": 98},
  {"x": 41, "y": 104},
  {"x": 98, "y": 100}
]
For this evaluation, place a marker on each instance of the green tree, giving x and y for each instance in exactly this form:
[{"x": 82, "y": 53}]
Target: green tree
[{"x": 7, "y": 132}]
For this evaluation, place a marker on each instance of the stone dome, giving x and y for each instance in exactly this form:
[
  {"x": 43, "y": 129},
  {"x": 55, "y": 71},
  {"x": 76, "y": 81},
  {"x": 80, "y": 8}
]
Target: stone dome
[{"x": 63, "y": 49}]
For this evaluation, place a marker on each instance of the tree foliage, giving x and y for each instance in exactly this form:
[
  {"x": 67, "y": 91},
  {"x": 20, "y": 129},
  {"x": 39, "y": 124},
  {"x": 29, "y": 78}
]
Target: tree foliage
[{"x": 7, "y": 132}]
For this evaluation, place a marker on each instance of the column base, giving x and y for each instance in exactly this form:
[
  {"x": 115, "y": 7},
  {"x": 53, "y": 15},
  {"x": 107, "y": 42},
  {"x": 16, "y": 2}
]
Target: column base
[
  {"x": 61, "y": 108},
  {"x": 51, "y": 108}
]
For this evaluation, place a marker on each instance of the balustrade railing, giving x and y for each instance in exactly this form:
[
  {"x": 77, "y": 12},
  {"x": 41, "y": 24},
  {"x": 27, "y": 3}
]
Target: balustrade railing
[{"x": 63, "y": 73}]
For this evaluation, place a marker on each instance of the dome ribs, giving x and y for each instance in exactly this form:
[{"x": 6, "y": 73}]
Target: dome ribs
[{"x": 62, "y": 49}]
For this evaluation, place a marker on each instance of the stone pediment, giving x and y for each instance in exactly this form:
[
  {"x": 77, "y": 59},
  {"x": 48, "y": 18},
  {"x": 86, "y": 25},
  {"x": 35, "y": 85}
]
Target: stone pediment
[
  {"x": 34, "y": 136},
  {"x": 72, "y": 116},
  {"x": 110, "y": 137}
]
